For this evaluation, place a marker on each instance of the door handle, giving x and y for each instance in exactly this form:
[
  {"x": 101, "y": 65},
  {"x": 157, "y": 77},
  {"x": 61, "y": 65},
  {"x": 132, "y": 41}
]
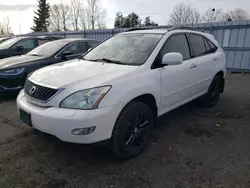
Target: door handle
[
  {"x": 193, "y": 66},
  {"x": 215, "y": 59}
]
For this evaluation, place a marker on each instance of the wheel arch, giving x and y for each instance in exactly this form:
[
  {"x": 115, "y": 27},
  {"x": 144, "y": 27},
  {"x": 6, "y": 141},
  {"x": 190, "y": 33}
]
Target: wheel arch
[{"x": 221, "y": 74}]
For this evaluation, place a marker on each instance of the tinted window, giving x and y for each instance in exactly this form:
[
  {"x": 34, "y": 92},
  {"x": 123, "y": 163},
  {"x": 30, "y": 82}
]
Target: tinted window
[
  {"x": 27, "y": 43},
  {"x": 207, "y": 45},
  {"x": 197, "y": 44},
  {"x": 40, "y": 42},
  {"x": 76, "y": 48},
  {"x": 177, "y": 43},
  {"x": 212, "y": 46},
  {"x": 129, "y": 48},
  {"x": 82, "y": 47},
  {"x": 92, "y": 45},
  {"x": 48, "y": 49}
]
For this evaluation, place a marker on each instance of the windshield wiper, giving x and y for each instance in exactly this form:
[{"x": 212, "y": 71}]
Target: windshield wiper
[{"x": 109, "y": 61}]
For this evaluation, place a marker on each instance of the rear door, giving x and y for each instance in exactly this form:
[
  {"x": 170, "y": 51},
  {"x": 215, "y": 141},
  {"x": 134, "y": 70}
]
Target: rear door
[{"x": 203, "y": 62}]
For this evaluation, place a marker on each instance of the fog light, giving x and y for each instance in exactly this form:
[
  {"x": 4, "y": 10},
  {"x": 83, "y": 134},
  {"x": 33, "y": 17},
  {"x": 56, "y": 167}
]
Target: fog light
[{"x": 84, "y": 131}]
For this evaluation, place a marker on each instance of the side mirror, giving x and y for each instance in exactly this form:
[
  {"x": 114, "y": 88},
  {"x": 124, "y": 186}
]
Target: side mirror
[
  {"x": 172, "y": 58},
  {"x": 19, "y": 48},
  {"x": 65, "y": 54}
]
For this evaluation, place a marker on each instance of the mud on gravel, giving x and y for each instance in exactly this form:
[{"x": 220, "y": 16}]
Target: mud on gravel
[{"x": 192, "y": 147}]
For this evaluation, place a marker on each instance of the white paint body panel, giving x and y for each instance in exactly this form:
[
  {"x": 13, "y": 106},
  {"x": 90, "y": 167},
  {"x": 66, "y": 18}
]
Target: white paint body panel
[{"x": 171, "y": 86}]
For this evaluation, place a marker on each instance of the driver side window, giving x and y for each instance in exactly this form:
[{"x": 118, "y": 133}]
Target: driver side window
[{"x": 177, "y": 43}]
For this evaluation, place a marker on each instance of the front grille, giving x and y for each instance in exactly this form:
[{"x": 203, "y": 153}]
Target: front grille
[{"x": 39, "y": 92}]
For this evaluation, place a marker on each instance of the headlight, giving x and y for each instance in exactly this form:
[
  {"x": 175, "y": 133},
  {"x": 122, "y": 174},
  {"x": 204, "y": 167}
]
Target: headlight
[
  {"x": 86, "y": 99},
  {"x": 15, "y": 71}
]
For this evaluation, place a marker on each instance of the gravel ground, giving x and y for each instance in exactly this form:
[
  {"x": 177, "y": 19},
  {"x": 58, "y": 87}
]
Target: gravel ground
[{"x": 192, "y": 147}]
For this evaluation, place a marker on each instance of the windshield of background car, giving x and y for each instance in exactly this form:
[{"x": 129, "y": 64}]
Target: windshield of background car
[
  {"x": 48, "y": 49},
  {"x": 8, "y": 43},
  {"x": 130, "y": 49}
]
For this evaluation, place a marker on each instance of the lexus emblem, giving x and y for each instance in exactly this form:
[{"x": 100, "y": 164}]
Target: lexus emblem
[{"x": 32, "y": 90}]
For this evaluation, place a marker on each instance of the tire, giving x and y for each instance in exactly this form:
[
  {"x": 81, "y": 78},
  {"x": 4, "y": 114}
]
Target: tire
[
  {"x": 133, "y": 130},
  {"x": 212, "y": 96}
]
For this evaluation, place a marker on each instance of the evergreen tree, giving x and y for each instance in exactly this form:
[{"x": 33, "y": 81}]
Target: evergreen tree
[
  {"x": 148, "y": 22},
  {"x": 132, "y": 20},
  {"x": 41, "y": 22},
  {"x": 119, "y": 20}
]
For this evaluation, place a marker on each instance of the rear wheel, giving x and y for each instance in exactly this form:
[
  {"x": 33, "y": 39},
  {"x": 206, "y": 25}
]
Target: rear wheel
[
  {"x": 132, "y": 130},
  {"x": 213, "y": 94}
]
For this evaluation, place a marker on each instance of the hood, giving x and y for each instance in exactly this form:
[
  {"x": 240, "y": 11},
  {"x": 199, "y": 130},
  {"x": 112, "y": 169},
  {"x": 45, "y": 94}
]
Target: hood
[
  {"x": 16, "y": 61},
  {"x": 91, "y": 73}
]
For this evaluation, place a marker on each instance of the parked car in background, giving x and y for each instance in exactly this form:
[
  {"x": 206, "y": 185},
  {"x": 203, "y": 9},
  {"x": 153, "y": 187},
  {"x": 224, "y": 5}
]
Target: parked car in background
[
  {"x": 22, "y": 45},
  {"x": 14, "y": 70},
  {"x": 4, "y": 39},
  {"x": 118, "y": 89}
]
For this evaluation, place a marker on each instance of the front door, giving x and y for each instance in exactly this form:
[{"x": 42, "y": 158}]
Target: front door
[
  {"x": 24, "y": 46},
  {"x": 177, "y": 80}
]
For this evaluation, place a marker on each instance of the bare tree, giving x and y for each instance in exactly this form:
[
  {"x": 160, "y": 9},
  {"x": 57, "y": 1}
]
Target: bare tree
[
  {"x": 55, "y": 18},
  {"x": 59, "y": 17},
  {"x": 83, "y": 18},
  {"x": 96, "y": 15},
  {"x": 184, "y": 14},
  {"x": 236, "y": 14},
  {"x": 212, "y": 15},
  {"x": 5, "y": 28},
  {"x": 65, "y": 16},
  {"x": 101, "y": 19},
  {"x": 75, "y": 13}
]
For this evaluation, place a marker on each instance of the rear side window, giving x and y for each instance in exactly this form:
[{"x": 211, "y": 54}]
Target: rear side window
[
  {"x": 76, "y": 48},
  {"x": 212, "y": 46},
  {"x": 197, "y": 44},
  {"x": 208, "y": 48},
  {"x": 176, "y": 43},
  {"x": 40, "y": 42},
  {"x": 81, "y": 47},
  {"x": 91, "y": 45}
]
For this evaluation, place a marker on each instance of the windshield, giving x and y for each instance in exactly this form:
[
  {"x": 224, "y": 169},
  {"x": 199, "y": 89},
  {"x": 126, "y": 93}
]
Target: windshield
[
  {"x": 48, "y": 49},
  {"x": 129, "y": 49},
  {"x": 8, "y": 43}
]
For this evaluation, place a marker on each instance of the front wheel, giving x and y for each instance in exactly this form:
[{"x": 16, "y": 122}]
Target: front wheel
[
  {"x": 132, "y": 130},
  {"x": 212, "y": 96}
]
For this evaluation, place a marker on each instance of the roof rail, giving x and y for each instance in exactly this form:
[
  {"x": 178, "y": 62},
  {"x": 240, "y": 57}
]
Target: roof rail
[
  {"x": 170, "y": 28},
  {"x": 185, "y": 28},
  {"x": 146, "y": 28}
]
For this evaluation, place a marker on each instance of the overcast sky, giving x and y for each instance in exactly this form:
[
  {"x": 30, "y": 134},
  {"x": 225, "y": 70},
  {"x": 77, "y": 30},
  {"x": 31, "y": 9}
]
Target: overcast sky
[{"x": 21, "y": 12}]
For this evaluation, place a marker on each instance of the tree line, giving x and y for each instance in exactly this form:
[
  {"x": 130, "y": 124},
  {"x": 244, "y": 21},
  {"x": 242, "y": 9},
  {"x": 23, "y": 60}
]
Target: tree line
[
  {"x": 183, "y": 14},
  {"x": 186, "y": 14},
  {"x": 89, "y": 14},
  {"x": 78, "y": 15}
]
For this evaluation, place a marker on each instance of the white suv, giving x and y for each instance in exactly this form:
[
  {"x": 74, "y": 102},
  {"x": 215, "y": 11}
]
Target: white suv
[{"x": 118, "y": 89}]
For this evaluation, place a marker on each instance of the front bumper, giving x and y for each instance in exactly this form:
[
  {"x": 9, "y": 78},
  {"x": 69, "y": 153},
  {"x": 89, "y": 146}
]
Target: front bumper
[
  {"x": 60, "y": 122},
  {"x": 12, "y": 83}
]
